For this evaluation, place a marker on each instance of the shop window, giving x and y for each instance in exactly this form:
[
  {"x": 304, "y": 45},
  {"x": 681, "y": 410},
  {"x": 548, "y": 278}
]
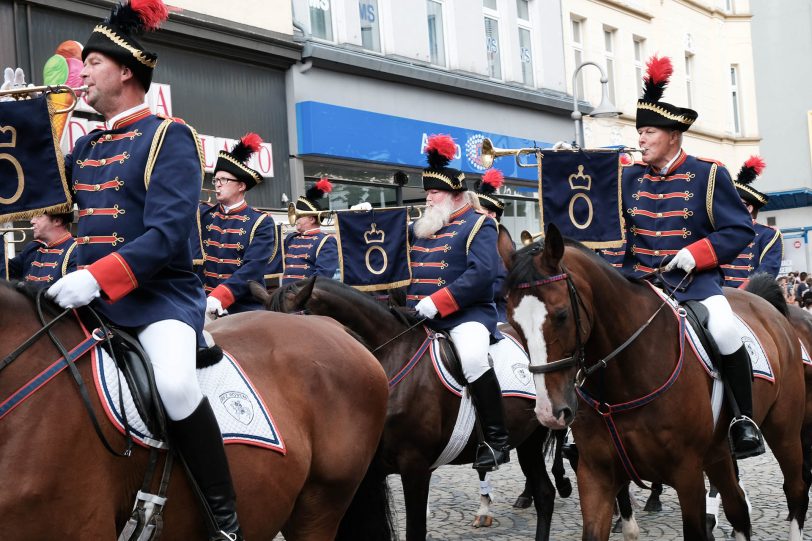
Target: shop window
[
  {"x": 370, "y": 25},
  {"x": 321, "y": 19}
]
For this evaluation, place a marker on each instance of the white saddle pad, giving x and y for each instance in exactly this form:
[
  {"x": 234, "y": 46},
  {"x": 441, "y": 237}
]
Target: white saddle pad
[{"x": 239, "y": 408}]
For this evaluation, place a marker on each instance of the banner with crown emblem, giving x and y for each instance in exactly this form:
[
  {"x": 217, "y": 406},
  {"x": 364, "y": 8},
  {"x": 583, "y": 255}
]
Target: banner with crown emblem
[
  {"x": 32, "y": 169},
  {"x": 373, "y": 248},
  {"x": 580, "y": 193}
]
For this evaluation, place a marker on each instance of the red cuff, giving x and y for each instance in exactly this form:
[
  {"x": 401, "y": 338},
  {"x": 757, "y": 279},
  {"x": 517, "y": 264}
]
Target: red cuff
[
  {"x": 445, "y": 302},
  {"x": 744, "y": 284},
  {"x": 224, "y": 295},
  {"x": 114, "y": 275},
  {"x": 704, "y": 254}
]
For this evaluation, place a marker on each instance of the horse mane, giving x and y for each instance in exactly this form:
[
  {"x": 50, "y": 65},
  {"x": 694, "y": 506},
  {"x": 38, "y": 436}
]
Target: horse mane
[
  {"x": 765, "y": 286},
  {"x": 30, "y": 291},
  {"x": 369, "y": 303}
]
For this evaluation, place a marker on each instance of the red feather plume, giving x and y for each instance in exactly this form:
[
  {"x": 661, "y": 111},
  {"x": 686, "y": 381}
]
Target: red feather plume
[
  {"x": 324, "y": 185},
  {"x": 756, "y": 164},
  {"x": 251, "y": 141},
  {"x": 493, "y": 178},
  {"x": 658, "y": 74},
  {"x": 151, "y": 12},
  {"x": 440, "y": 150}
]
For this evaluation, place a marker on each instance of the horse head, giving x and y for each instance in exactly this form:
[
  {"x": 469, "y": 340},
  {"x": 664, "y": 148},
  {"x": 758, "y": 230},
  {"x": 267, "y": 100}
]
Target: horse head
[
  {"x": 287, "y": 299},
  {"x": 546, "y": 310}
]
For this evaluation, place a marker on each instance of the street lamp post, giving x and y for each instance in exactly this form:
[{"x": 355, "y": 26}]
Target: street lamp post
[{"x": 604, "y": 110}]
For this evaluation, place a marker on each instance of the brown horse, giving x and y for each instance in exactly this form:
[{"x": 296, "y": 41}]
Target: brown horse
[
  {"x": 422, "y": 412},
  {"x": 569, "y": 304},
  {"x": 327, "y": 395}
]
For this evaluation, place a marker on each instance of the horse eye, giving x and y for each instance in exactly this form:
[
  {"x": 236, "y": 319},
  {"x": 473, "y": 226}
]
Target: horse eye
[{"x": 560, "y": 316}]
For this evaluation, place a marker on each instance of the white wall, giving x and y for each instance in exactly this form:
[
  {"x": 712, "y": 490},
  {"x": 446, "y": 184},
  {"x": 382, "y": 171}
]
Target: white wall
[{"x": 272, "y": 15}]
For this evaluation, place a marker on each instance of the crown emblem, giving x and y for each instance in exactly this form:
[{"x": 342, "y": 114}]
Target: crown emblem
[
  {"x": 373, "y": 235},
  {"x": 580, "y": 181}
]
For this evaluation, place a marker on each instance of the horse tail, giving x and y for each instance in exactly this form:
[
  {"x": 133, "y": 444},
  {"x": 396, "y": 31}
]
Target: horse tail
[
  {"x": 369, "y": 516},
  {"x": 765, "y": 286}
]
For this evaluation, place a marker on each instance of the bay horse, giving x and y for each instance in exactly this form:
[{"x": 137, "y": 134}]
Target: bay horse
[
  {"x": 325, "y": 391},
  {"x": 422, "y": 412},
  {"x": 573, "y": 310}
]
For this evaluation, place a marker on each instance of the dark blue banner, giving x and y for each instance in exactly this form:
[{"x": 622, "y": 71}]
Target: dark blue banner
[
  {"x": 580, "y": 193},
  {"x": 32, "y": 169},
  {"x": 373, "y": 248}
]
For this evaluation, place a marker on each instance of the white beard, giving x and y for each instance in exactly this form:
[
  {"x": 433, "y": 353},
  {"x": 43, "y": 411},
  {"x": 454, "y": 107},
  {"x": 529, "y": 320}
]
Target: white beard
[{"x": 434, "y": 218}]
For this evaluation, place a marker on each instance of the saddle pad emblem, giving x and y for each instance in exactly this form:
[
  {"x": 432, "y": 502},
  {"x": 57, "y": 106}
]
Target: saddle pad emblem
[{"x": 238, "y": 405}]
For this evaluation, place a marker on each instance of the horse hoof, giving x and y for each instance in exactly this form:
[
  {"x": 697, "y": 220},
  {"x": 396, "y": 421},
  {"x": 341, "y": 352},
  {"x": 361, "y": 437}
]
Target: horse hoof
[
  {"x": 653, "y": 506},
  {"x": 564, "y": 488},
  {"x": 523, "y": 502},
  {"x": 618, "y": 527},
  {"x": 482, "y": 521},
  {"x": 710, "y": 524}
]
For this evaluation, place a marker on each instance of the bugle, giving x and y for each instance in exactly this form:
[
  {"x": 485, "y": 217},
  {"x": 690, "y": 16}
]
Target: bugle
[
  {"x": 22, "y": 93},
  {"x": 324, "y": 216},
  {"x": 488, "y": 153},
  {"x": 529, "y": 238},
  {"x": 12, "y": 230}
]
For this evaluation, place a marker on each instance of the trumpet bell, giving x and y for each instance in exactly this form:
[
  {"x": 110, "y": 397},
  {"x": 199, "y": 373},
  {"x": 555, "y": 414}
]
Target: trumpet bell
[{"x": 529, "y": 238}]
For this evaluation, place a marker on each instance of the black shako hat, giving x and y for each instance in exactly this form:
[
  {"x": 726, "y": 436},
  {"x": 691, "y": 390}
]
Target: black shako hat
[
  {"x": 440, "y": 150},
  {"x": 659, "y": 114},
  {"x": 235, "y": 162},
  {"x": 310, "y": 200},
  {"x": 751, "y": 169},
  {"x": 492, "y": 180},
  {"x": 115, "y": 36}
]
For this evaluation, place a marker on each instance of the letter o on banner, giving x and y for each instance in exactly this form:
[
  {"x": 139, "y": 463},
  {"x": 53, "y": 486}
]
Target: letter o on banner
[
  {"x": 369, "y": 264},
  {"x": 588, "y": 221}
]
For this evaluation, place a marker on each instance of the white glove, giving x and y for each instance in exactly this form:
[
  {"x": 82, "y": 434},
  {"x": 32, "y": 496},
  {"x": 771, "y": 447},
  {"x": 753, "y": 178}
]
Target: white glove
[
  {"x": 214, "y": 308},
  {"x": 426, "y": 308},
  {"x": 562, "y": 145},
  {"x": 683, "y": 260},
  {"x": 362, "y": 206},
  {"x": 13, "y": 79},
  {"x": 75, "y": 289}
]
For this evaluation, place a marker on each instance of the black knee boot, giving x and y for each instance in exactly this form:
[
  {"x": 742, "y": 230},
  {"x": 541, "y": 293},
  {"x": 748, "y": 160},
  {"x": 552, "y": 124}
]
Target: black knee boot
[
  {"x": 487, "y": 398},
  {"x": 200, "y": 443},
  {"x": 745, "y": 437}
]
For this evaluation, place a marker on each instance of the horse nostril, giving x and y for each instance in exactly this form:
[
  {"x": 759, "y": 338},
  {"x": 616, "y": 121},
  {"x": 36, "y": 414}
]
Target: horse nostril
[{"x": 564, "y": 412}]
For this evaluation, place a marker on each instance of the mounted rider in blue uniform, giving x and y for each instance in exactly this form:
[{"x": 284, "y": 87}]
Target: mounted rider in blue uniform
[
  {"x": 455, "y": 263},
  {"x": 766, "y": 251},
  {"x": 137, "y": 183},
  {"x": 237, "y": 240},
  {"x": 50, "y": 256},
  {"x": 684, "y": 211},
  {"x": 494, "y": 207},
  {"x": 310, "y": 251}
]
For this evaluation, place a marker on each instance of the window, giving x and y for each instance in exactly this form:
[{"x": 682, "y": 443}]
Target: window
[
  {"x": 771, "y": 221},
  {"x": 689, "y": 78},
  {"x": 370, "y": 26},
  {"x": 730, "y": 6},
  {"x": 526, "y": 56},
  {"x": 489, "y": 4},
  {"x": 523, "y": 10},
  {"x": 436, "y": 36},
  {"x": 734, "y": 99},
  {"x": 609, "y": 55},
  {"x": 578, "y": 52},
  {"x": 321, "y": 19},
  {"x": 639, "y": 55},
  {"x": 492, "y": 48}
]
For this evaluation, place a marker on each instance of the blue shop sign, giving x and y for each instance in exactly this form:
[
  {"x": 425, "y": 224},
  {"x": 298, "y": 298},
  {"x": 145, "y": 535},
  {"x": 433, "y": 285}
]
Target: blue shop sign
[{"x": 343, "y": 132}]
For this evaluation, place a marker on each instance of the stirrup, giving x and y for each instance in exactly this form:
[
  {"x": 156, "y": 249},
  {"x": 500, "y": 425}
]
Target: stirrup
[
  {"x": 223, "y": 536},
  {"x": 755, "y": 451},
  {"x": 492, "y": 451}
]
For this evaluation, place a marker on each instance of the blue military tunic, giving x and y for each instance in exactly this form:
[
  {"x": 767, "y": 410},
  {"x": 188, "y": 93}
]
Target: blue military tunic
[
  {"x": 764, "y": 254},
  {"x": 694, "y": 206},
  {"x": 276, "y": 263},
  {"x": 614, "y": 256},
  {"x": 457, "y": 268},
  {"x": 137, "y": 186},
  {"x": 237, "y": 246},
  {"x": 499, "y": 298},
  {"x": 309, "y": 253},
  {"x": 43, "y": 264}
]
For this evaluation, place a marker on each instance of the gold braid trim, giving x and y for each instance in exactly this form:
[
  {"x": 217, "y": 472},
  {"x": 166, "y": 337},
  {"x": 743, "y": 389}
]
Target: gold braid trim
[
  {"x": 154, "y": 149},
  {"x": 450, "y": 182},
  {"x": 709, "y": 197},
  {"x": 67, "y": 259},
  {"x": 776, "y": 237},
  {"x": 276, "y": 232},
  {"x": 662, "y": 112},
  {"x": 493, "y": 200},
  {"x": 199, "y": 146},
  {"x": 306, "y": 201},
  {"x": 256, "y": 224},
  {"x": 475, "y": 230},
  {"x": 118, "y": 40},
  {"x": 256, "y": 176},
  {"x": 752, "y": 191}
]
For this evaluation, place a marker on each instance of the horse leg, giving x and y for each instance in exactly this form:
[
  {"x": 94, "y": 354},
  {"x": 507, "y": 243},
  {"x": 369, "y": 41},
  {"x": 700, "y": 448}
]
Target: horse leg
[
  {"x": 484, "y": 515},
  {"x": 722, "y": 476},
  {"x": 597, "y": 497},
  {"x": 562, "y": 482},
  {"x": 415, "y": 481},
  {"x": 789, "y": 457},
  {"x": 712, "y": 501},
  {"x": 806, "y": 442},
  {"x": 531, "y": 460},
  {"x": 690, "y": 488},
  {"x": 628, "y": 524},
  {"x": 653, "y": 504},
  {"x": 525, "y": 499}
]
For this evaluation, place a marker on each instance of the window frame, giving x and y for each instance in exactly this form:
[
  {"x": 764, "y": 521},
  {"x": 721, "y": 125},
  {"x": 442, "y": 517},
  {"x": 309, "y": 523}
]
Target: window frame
[
  {"x": 441, "y": 4},
  {"x": 494, "y": 16}
]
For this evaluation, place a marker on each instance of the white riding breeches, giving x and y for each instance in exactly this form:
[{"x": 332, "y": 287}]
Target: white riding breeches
[
  {"x": 472, "y": 340},
  {"x": 172, "y": 348},
  {"x": 722, "y": 324}
]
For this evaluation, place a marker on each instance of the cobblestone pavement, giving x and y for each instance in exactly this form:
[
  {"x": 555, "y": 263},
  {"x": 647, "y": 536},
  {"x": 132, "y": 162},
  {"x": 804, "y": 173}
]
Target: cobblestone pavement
[{"x": 455, "y": 497}]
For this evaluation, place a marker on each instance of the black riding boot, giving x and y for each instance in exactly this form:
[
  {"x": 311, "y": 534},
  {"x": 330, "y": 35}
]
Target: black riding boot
[
  {"x": 745, "y": 437},
  {"x": 200, "y": 443},
  {"x": 487, "y": 398}
]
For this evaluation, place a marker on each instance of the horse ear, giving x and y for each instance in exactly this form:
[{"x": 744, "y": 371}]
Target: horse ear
[
  {"x": 259, "y": 292},
  {"x": 504, "y": 243},
  {"x": 304, "y": 292},
  {"x": 553, "y": 246}
]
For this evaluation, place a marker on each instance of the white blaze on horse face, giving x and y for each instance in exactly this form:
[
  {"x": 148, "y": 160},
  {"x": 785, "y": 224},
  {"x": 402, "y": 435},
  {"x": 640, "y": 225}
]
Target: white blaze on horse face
[{"x": 529, "y": 315}]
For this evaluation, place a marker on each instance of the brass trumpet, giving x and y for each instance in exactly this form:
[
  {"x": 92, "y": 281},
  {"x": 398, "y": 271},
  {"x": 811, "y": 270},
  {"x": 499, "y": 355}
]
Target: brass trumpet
[
  {"x": 324, "y": 217},
  {"x": 529, "y": 238},
  {"x": 12, "y": 230},
  {"x": 488, "y": 153},
  {"x": 21, "y": 93}
]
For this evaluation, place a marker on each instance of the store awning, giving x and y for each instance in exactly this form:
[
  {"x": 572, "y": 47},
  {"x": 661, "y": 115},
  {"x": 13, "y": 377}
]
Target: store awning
[{"x": 790, "y": 199}]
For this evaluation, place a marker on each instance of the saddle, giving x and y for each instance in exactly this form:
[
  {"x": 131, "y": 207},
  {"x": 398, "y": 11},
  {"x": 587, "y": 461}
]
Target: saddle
[
  {"x": 697, "y": 315},
  {"x": 450, "y": 358}
]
